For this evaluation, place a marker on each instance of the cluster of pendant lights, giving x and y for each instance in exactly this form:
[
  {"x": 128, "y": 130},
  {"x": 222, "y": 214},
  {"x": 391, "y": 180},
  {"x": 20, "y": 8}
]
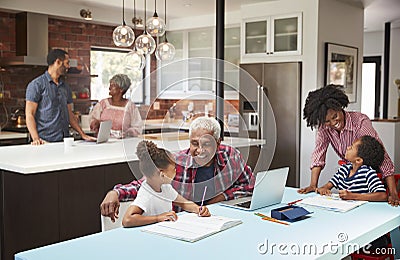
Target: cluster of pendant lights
[{"x": 124, "y": 36}]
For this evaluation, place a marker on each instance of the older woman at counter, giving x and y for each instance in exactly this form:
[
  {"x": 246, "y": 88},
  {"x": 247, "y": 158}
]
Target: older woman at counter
[{"x": 125, "y": 117}]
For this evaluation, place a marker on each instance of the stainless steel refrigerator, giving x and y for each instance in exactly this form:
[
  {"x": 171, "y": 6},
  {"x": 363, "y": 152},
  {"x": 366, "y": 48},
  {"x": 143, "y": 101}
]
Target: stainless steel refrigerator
[{"x": 271, "y": 92}]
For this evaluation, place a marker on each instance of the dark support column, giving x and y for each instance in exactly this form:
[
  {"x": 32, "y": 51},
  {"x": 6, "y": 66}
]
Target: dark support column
[
  {"x": 220, "y": 30},
  {"x": 386, "y": 59}
]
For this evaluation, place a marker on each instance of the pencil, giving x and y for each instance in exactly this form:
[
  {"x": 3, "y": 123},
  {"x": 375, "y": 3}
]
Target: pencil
[
  {"x": 202, "y": 200},
  {"x": 294, "y": 202},
  {"x": 264, "y": 217}
]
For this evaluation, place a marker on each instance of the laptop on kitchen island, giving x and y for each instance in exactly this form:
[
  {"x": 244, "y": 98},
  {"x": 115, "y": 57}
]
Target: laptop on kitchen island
[
  {"x": 104, "y": 132},
  {"x": 268, "y": 190}
]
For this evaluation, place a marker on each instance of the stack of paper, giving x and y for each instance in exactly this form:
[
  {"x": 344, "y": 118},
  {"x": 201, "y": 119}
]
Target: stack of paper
[
  {"x": 329, "y": 203},
  {"x": 190, "y": 227}
]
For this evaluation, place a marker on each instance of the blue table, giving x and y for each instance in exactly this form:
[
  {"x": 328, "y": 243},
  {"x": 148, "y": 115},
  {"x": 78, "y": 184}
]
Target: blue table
[{"x": 325, "y": 235}]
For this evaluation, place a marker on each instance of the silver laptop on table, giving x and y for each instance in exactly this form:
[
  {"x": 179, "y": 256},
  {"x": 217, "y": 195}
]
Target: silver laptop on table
[
  {"x": 104, "y": 132},
  {"x": 268, "y": 190}
]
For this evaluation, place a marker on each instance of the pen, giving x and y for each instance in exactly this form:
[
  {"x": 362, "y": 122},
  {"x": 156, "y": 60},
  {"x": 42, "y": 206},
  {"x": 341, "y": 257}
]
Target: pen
[
  {"x": 202, "y": 200},
  {"x": 264, "y": 217},
  {"x": 294, "y": 202}
]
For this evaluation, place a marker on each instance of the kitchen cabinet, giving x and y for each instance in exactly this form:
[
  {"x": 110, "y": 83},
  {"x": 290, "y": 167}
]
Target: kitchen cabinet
[
  {"x": 276, "y": 35},
  {"x": 194, "y": 61}
]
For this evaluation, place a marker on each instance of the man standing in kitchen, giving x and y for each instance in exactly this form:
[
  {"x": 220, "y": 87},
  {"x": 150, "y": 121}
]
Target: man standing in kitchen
[
  {"x": 208, "y": 169},
  {"x": 49, "y": 103}
]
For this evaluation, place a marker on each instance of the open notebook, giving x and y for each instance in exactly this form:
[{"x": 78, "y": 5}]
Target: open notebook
[
  {"x": 331, "y": 203},
  {"x": 191, "y": 228}
]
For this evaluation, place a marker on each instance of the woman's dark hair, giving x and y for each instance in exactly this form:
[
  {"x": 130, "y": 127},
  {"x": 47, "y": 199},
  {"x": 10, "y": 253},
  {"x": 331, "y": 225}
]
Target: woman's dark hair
[
  {"x": 54, "y": 55},
  {"x": 152, "y": 158},
  {"x": 318, "y": 103},
  {"x": 371, "y": 151}
]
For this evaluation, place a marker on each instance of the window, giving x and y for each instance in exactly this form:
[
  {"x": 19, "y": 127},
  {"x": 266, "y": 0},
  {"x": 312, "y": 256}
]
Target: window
[{"x": 106, "y": 62}]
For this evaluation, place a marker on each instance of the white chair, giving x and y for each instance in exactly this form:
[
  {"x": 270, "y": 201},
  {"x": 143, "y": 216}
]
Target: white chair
[{"x": 107, "y": 224}]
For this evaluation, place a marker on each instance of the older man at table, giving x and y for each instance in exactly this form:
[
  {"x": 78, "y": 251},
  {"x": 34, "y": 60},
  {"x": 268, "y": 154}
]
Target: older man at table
[{"x": 207, "y": 162}]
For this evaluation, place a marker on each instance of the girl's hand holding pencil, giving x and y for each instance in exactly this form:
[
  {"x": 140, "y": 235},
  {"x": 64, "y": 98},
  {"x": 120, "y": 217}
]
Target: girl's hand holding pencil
[{"x": 204, "y": 212}]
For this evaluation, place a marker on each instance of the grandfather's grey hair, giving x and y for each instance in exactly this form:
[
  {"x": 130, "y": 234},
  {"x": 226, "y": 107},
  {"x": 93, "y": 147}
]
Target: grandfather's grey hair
[
  {"x": 208, "y": 123},
  {"x": 122, "y": 80}
]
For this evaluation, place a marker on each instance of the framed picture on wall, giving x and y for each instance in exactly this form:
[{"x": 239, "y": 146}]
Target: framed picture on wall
[{"x": 341, "y": 68}]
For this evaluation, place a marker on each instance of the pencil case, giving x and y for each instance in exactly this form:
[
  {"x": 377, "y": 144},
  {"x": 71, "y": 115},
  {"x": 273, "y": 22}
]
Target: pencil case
[{"x": 289, "y": 213}]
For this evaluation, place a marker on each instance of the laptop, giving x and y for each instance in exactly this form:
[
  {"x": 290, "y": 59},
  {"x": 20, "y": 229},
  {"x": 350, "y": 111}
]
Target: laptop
[
  {"x": 104, "y": 132},
  {"x": 268, "y": 191}
]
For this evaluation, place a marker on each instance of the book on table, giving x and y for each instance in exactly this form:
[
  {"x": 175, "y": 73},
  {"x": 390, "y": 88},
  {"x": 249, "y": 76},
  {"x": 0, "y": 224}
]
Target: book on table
[
  {"x": 191, "y": 228},
  {"x": 331, "y": 203}
]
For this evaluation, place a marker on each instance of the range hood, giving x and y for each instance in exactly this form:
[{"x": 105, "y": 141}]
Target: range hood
[{"x": 31, "y": 40}]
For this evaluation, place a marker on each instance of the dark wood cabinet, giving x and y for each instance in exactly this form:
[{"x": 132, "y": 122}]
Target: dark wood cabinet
[
  {"x": 46, "y": 208},
  {"x": 14, "y": 141}
]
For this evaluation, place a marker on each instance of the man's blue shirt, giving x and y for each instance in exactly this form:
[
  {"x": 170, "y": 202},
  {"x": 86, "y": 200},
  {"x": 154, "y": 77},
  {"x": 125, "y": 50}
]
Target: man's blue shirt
[{"x": 52, "y": 119}]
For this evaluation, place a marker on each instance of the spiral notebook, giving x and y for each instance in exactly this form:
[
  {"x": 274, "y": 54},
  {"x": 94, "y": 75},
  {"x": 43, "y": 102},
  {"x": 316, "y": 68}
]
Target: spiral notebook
[{"x": 191, "y": 228}]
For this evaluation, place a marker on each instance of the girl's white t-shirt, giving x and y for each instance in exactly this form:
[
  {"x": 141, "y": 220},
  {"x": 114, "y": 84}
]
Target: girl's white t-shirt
[{"x": 155, "y": 203}]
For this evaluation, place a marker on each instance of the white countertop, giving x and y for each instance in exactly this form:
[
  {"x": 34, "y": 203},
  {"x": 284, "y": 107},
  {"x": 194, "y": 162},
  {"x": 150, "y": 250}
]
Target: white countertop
[
  {"x": 12, "y": 135},
  {"x": 28, "y": 159}
]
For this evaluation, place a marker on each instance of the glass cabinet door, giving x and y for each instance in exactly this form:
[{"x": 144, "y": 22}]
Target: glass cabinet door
[
  {"x": 232, "y": 55},
  {"x": 173, "y": 73},
  {"x": 256, "y": 37},
  {"x": 200, "y": 44},
  {"x": 285, "y": 34}
]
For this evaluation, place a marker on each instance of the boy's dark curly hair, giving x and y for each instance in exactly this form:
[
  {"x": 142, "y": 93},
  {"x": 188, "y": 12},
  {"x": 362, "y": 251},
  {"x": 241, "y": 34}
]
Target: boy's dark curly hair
[
  {"x": 152, "y": 158},
  {"x": 319, "y": 101},
  {"x": 371, "y": 151}
]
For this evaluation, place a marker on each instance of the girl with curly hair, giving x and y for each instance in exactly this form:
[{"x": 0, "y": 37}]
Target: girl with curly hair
[{"x": 155, "y": 197}]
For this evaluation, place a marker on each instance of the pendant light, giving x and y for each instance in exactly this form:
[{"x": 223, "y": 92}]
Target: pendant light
[
  {"x": 137, "y": 21},
  {"x": 135, "y": 60},
  {"x": 155, "y": 26},
  {"x": 165, "y": 51},
  {"x": 145, "y": 43},
  {"x": 123, "y": 35}
]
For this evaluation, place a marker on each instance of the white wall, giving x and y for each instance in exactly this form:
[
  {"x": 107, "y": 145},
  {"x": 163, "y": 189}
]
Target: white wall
[
  {"x": 374, "y": 46},
  {"x": 337, "y": 23}
]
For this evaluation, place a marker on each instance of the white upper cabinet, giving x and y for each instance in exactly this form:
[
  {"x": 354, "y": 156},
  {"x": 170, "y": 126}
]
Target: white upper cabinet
[
  {"x": 276, "y": 35},
  {"x": 192, "y": 72}
]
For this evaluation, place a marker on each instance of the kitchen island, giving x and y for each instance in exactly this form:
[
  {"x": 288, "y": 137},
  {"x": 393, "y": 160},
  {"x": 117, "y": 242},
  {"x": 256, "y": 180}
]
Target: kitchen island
[{"x": 51, "y": 193}]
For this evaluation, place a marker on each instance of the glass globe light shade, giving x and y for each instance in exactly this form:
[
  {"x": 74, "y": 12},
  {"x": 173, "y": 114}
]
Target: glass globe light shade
[
  {"x": 134, "y": 60},
  {"x": 155, "y": 26},
  {"x": 123, "y": 36},
  {"x": 145, "y": 44},
  {"x": 136, "y": 77},
  {"x": 165, "y": 51}
]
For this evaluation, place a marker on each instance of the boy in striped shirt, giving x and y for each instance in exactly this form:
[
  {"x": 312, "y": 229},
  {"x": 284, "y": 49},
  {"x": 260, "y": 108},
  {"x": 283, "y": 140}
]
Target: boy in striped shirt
[{"x": 358, "y": 179}]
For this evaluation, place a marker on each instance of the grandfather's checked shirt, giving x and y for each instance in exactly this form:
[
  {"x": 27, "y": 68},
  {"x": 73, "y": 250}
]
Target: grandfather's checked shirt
[{"x": 232, "y": 176}]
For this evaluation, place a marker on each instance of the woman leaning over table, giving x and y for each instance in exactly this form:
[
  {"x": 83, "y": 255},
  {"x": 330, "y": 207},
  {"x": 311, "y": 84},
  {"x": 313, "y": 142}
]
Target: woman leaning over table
[
  {"x": 125, "y": 117},
  {"x": 324, "y": 109}
]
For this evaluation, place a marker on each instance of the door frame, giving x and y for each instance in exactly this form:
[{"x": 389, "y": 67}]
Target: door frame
[{"x": 378, "y": 62}]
